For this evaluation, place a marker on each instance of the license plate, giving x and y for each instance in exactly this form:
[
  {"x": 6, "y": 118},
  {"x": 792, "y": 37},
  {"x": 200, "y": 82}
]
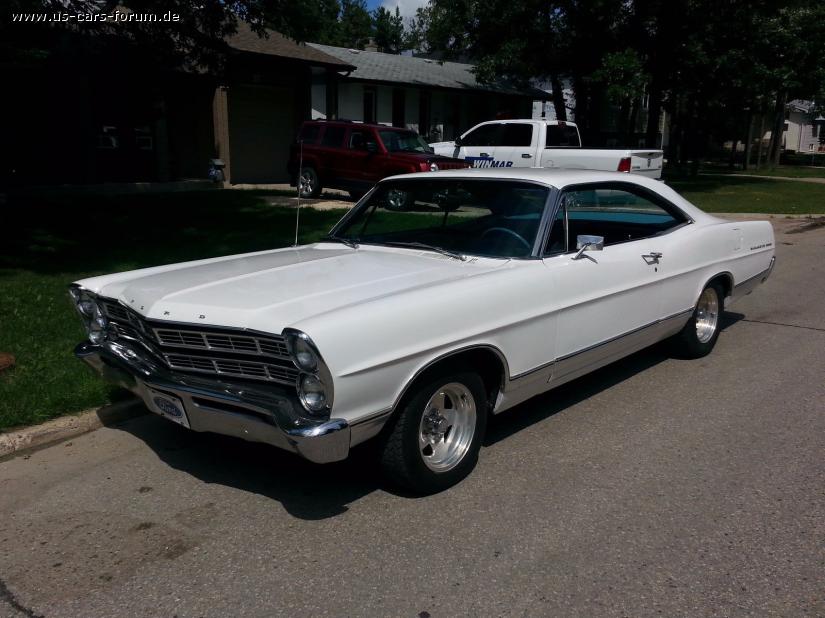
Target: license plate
[{"x": 169, "y": 407}]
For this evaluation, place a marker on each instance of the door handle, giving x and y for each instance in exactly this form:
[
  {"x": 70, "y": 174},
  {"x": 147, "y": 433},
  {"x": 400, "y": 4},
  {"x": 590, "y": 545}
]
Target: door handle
[
  {"x": 483, "y": 154},
  {"x": 526, "y": 155},
  {"x": 652, "y": 257}
]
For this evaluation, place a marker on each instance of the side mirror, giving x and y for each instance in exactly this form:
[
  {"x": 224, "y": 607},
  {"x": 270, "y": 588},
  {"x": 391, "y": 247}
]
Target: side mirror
[
  {"x": 588, "y": 243},
  {"x": 458, "y": 141}
]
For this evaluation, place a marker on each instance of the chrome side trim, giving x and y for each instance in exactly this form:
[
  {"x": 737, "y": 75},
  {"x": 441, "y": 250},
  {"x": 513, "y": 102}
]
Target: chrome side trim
[
  {"x": 369, "y": 427},
  {"x": 571, "y": 366},
  {"x": 627, "y": 334},
  {"x": 749, "y": 285}
]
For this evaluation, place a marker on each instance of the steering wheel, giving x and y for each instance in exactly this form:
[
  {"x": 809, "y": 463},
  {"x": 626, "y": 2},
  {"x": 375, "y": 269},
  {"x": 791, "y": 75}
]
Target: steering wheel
[{"x": 509, "y": 232}]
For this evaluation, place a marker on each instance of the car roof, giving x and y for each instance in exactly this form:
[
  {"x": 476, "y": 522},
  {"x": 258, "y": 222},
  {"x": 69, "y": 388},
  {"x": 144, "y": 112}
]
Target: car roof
[
  {"x": 563, "y": 178},
  {"x": 355, "y": 123}
]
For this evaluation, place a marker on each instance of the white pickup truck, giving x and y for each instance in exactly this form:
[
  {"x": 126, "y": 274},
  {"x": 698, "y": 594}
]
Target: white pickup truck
[{"x": 544, "y": 143}]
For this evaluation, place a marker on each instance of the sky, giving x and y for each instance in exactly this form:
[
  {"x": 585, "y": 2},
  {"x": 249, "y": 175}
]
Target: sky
[{"x": 407, "y": 7}]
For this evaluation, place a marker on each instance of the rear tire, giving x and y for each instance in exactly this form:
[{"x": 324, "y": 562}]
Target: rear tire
[
  {"x": 308, "y": 184},
  {"x": 436, "y": 437},
  {"x": 700, "y": 333}
]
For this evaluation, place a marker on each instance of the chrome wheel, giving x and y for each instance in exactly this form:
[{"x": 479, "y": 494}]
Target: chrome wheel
[
  {"x": 397, "y": 199},
  {"x": 707, "y": 315},
  {"x": 447, "y": 427},
  {"x": 307, "y": 181}
]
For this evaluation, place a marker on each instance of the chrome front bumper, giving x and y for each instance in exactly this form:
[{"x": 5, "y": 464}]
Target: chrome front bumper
[{"x": 269, "y": 414}]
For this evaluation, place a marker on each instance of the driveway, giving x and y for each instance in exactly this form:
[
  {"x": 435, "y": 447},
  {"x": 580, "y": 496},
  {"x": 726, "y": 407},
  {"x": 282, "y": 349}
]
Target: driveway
[{"x": 652, "y": 487}]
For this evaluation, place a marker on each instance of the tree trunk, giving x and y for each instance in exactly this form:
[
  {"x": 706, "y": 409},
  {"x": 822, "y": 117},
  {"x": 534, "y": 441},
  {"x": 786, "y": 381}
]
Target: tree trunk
[
  {"x": 761, "y": 145},
  {"x": 776, "y": 132},
  {"x": 631, "y": 124},
  {"x": 581, "y": 94},
  {"x": 654, "y": 110},
  {"x": 749, "y": 143},
  {"x": 734, "y": 146},
  {"x": 622, "y": 128},
  {"x": 558, "y": 97}
]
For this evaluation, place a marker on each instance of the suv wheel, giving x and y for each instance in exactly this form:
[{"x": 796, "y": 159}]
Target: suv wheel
[{"x": 308, "y": 183}]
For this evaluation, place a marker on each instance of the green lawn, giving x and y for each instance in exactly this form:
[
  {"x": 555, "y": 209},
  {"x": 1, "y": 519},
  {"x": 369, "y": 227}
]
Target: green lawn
[
  {"x": 787, "y": 171},
  {"x": 46, "y": 243},
  {"x": 755, "y": 195}
]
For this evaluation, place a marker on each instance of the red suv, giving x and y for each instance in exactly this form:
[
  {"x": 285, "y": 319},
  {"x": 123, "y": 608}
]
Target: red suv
[{"x": 342, "y": 154}]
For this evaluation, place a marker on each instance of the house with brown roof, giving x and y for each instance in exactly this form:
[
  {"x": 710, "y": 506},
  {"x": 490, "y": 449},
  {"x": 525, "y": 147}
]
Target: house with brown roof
[
  {"x": 114, "y": 119},
  {"x": 110, "y": 118}
]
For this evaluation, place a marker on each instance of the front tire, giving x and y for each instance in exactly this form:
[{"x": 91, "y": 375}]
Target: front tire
[
  {"x": 308, "y": 184},
  {"x": 700, "y": 333},
  {"x": 435, "y": 440}
]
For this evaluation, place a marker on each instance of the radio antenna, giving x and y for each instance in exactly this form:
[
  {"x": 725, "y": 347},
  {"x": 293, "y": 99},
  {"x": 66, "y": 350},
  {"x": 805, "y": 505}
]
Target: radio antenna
[{"x": 300, "y": 186}]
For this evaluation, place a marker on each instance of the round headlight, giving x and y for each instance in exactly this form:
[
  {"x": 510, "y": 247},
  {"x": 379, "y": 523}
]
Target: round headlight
[
  {"x": 87, "y": 308},
  {"x": 97, "y": 326},
  {"x": 313, "y": 393},
  {"x": 433, "y": 167},
  {"x": 304, "y": 355}
]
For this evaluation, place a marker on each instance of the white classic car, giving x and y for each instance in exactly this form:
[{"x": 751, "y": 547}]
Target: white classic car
[{"x": 439, "y": 299}]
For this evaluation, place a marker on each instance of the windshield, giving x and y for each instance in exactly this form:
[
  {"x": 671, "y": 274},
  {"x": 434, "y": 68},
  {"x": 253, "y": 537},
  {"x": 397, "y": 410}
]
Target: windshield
[
  {"x": 491, "y": 218},
  {"x": 404, "y": 141}
]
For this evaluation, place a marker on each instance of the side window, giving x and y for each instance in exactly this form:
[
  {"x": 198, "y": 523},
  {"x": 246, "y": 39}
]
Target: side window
[
  {"x": 333, "y": 136},
  {"x": 357, "y": 140},
  {"x": 562, "y": 137},
  {"x": 617, "y": 214},
  {"x": 485, "y": 135},
  {"x": 516, "y": 134},
  {"x": 309, "y": 133}
]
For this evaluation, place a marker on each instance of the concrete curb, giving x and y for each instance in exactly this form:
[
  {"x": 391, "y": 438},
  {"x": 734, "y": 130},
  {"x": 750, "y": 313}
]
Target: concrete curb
[{"x": 51, "y": 432}]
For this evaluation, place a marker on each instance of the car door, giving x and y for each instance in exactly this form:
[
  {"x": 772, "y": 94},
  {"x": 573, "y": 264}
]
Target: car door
[
  {"x": 517, "y": 145},
  {"x": 480, "y": 144},
  {"x": 610, "y": 302},
  {"x": 357, "y": 157}
]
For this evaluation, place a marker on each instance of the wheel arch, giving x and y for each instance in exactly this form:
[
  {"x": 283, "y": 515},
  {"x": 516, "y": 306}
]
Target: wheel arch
[
  {"x": 487, "y": 360},
  {"x": 725, "y": 279}
]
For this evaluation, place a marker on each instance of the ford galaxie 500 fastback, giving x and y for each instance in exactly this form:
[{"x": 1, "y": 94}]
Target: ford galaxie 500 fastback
[{"x": 440, "y": 299}]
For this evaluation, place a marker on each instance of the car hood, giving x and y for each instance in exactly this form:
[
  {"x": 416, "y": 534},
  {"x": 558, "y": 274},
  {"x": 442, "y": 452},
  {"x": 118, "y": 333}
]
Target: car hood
[{"x": 272, "y": 290}]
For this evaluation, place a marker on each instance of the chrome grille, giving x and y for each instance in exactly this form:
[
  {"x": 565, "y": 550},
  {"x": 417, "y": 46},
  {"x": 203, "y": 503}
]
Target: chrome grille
[
  {"x": 216, "y": 351},
  {"x": 223, "y": 342},
  {"x": 240, "y": 368},
  {"x": 116, "y": 311}
]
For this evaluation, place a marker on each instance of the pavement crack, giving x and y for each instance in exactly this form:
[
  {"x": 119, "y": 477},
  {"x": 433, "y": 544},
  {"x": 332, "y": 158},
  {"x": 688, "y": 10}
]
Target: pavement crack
[
  {"x": 7, "y": 596},
  {"x": 821, "y": 330}
]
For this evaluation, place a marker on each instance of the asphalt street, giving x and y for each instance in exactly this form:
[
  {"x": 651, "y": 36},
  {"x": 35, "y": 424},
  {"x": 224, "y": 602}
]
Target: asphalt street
[{"x": 654, "y": 487}]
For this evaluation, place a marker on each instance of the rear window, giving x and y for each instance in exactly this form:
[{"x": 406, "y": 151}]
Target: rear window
[
  {"x": 562, "y": 137},
  {"x": 333, "y": 136},
  {"x": 309, "y": 133},
  {"x": 516, "y": 135}
]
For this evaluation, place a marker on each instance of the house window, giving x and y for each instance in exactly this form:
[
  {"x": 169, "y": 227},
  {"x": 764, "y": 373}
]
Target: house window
[
  {"x": 107, "y": 138},
  {"x": 369, "y": 105},
  {"x": 814, "y": 128},
  {"x": 143, "y": 138}
]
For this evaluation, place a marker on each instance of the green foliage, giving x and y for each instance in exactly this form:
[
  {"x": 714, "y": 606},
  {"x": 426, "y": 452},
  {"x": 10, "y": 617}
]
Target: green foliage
[
  {"x": 703, "y": 61},
  {"x": 389, "y": 30},
  {"x": 355, "y": 24}
]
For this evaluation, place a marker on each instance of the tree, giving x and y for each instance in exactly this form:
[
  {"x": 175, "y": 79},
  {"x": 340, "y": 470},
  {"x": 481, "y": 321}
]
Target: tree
[
  {"x": 389, "y": 30},
  {"x": 355, "y": 24}
]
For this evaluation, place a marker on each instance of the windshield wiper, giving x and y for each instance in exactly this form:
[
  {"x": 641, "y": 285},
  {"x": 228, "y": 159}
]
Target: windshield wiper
[
  {"x": 421, "y": 245},
  {"x": 345, "y": 241}
]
